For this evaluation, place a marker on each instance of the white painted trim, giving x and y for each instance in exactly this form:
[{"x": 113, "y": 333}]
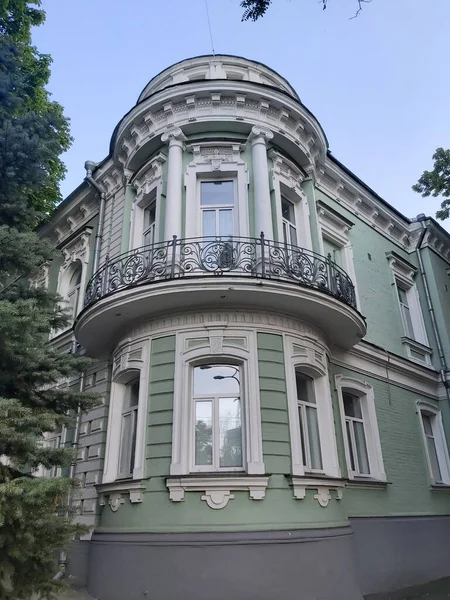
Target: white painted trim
[
  {"x": 310, "y": 357},
  {"x": 128, "y": 360},
  {"x": 336, "y": 230},
  {"x": 323, "y": 486},
  {"x": 423, "y": 406},
  {"x": 214, "y": 345},
  {"x": 367, "y": 397},
  {"x": 286, "y": 181},
  {"x": 403, "y": 274},
  {"x": 113, "y": 493},
  {"x": 148, "y": 185},
  {"x": 217, "y": 490},
  {"x": 211, "y": 161}
]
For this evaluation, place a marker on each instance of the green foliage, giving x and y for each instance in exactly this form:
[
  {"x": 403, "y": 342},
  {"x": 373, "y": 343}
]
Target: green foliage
[
  {"x": 254, "y": 9},
  {"x": 437, "y": 182},
  {"x": 35, "y": 399}
]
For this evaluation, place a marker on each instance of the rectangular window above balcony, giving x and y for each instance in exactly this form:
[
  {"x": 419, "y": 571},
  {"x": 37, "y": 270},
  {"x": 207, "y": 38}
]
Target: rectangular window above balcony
[{"x": 217, "y": 204}]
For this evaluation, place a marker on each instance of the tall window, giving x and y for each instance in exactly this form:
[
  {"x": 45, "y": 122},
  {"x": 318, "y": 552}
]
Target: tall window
[
  {"x": 309, "y": 426},
  {"x": 360, "y": 429},
  {"x": 427, "y": 421},
  {"x": 217, "y": 418},
  {"x": 356, "y": 437},
  {"x": 289, "y": 226},
  {"x": 406, "y": 313},
  {"x": 217, "y": 207},
  {"x": 334, "y": 250},
  {"x": 73, "y": 294},
  {"x": 129, "y": 429},
  {"x": 148, "y": 233}
]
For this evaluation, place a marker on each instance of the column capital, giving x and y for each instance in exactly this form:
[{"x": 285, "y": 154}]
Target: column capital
[
  {"x": 173, "y": 136},
  {"x": 261, "y": 134}
]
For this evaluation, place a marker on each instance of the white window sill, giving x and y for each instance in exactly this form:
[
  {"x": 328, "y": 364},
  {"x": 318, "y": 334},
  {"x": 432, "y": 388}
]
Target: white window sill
[
  {"x": 414, "y": 346},
  {"x": 440, "y": 487},
  {"x": 367, "y": 483},
  {"x": 322, "y": 484},
  {"x": 217, "y": 488},
  {"x": 114, "y": 493}
]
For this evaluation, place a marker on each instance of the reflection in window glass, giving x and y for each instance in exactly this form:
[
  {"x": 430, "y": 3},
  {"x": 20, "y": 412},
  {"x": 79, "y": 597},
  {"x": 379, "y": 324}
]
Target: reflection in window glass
[
  {"x": 218, "y": 417},
  {"x": 427, "y": 421},
  {"x": 356, "y": 437},
  {"x": 217, "y": 204},
  {"x": 129, "y": 429},
  {"x": 309, "y": 424}
]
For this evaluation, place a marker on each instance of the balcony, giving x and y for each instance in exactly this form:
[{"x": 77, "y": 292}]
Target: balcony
[{"x": 245, "y": 273}]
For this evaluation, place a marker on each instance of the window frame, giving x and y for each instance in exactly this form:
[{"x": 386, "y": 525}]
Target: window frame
[
  {"x": 365, "y": 392},
  {"x": 310, "y": 358},
  {"x": 440, "y": 441},
  {"x": 133, "y": 412},
  {"x": 213, "y": 348},
  {"x": 287, "y": 225},
  {"x": 217, "y": 208},
  {"x": 212, "y": 161},
  {"x": 129, "y": 363},
  {"x": 194, "y": 399}
]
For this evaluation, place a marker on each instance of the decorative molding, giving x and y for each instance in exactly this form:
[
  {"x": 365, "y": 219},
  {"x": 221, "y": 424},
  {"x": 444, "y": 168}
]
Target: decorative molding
[
  {"x": 323, "y": 488},
  {"x": 77, "y": 249},
  {"x": 403, "y": 270},
  {"x": 286, "y": 170},
  {"x": 224, "y": 319},
  {"x": 114, "y": 493},
  {"x": 144, "y": 180},
  {"x": 216, "y": 154},
  {"x": 217, "y": 490},
  {"x": 174, "y": 135},
  {"x": 333, "y": 225},
  {"x": 258, "y": 132},
  {"x": 412, "y": 346}
]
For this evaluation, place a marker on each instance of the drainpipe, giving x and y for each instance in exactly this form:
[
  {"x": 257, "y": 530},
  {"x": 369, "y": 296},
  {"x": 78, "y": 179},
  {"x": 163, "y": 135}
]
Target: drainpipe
[
  {"x": 90, "y": 166},
  {"x": 444, "y": 366}
]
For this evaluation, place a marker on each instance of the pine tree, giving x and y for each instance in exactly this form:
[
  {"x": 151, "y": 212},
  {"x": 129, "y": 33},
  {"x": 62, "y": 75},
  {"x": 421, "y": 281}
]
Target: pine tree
[{"x": 35, "y": 519}]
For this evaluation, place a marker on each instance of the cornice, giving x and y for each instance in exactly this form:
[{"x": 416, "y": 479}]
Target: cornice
[
  {"x": 232, "y": 101},
  {"x": 348, "y": 192}
]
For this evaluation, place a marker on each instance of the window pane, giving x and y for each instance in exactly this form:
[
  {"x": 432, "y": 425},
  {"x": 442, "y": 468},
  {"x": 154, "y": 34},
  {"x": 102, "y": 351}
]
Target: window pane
[
  {"x": 287, "y": 210},
  {"x": 125, "y": 445},
  {"x": 428, "y": 428},
  {"x": 209, "y": 223},
  {"x": 293, "y": 239},
  {"x": 225, "y": 222},
  {"x": 361, "y": 448},
  {"x": 149, "y": 215},
  {"x": 313, "y": 438},
  {"x": 402, "y": 296},
  {"x": 203, "y": 433},
  {"x": 302, "y": 436},
  {"x": 348, "y": 426},
  {"x": 133, "y": 393},
  {"x": 407, "y": 321},
  {"x": 352, "y": 405},
  {"x": 230, "y": 432},
  {"x": 436, "y": 471},
  {"x": 215, "y": 193},
  {"x": 216, "y": 380},
  {"x": 305, "y": 391}
]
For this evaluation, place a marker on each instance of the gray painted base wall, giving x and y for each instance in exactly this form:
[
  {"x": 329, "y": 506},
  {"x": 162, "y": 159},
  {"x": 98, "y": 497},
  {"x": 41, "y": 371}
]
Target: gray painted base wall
[
  {"x": 392, "y": 553},
  {"x": 375, "y": 555},
  {"x": 312, "y": 565},
  {"x": 78, "y": 563}
]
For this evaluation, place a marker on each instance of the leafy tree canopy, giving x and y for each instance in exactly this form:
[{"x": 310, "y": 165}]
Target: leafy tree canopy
[
  {"x": 437, "y": 182},
  {"x": 35, "y": 398},
  {"x": 255, "y": 9}
]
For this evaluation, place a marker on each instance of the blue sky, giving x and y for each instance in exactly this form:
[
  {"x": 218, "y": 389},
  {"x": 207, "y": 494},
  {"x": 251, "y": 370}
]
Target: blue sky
[{"x": 378, "y": 84}]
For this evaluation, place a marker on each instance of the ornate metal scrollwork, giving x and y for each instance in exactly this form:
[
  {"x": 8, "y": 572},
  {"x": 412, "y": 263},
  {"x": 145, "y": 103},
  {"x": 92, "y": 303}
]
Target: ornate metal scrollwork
[{"x": 223, "y": 257}]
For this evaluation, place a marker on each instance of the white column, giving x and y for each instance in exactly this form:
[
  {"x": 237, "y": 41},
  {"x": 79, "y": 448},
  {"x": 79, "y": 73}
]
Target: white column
[
  {"x": 172, "y": 225},
  {"x": 263, "y": 211}
]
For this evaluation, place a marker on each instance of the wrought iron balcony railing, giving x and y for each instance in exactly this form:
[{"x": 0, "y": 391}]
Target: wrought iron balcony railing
[{"x": 220, "y": 257}]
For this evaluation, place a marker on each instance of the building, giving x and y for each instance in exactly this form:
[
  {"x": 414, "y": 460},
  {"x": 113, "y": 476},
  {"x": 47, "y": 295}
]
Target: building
[{"x": 272, "y": 347}]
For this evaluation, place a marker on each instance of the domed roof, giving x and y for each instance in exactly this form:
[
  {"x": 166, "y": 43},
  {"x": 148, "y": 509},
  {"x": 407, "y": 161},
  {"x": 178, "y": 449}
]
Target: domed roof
[{"x": 213, "y": 67}]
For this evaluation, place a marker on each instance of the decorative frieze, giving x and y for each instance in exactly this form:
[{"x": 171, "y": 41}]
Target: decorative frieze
[{"x": 323, "y": 488}]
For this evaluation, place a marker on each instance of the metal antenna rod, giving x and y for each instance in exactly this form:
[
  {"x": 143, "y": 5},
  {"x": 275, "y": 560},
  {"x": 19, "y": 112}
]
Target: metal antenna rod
[{"x": 210, "y": 30}]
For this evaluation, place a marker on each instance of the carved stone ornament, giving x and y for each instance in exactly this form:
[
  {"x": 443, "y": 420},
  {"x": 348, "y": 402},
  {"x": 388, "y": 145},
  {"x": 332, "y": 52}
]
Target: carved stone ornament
[
  {"x": 217, "y": 490},
  {"x": 114, "y": 493},
  {"x": 77, "y": 250},
  {"x": 322, "y": 487}
]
